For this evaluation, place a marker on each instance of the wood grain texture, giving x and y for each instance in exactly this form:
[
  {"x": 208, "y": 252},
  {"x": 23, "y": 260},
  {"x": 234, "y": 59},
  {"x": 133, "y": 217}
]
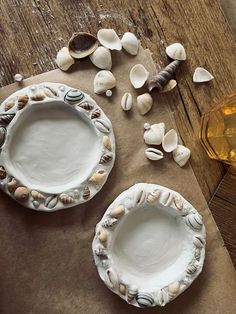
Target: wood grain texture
[{"x": 32, "y": 31}]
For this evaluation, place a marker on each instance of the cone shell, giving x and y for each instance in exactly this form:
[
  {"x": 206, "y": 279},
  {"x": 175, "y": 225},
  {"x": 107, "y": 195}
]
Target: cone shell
[
  {"x": 22, "y": 101},
  {"x": 105, "y": 158},
  {"x": 66, "y": 199},
  {"x": 82, "y": 45},
  {"x": 86, "y": 193},
  {"x": 12, "y": 185},
  {"x": 144, "y": 103},
  {"x": 181, "y": 155},
  {"x": 3, "y": 173},
  {"x": 170, "y": 141},
  {"x": 86, "y": 105},
  {"x": 96, "y": 113},
  {"x": 106, "y": 142},
  {"x": 37, "y": 195},
  {"x": 98, "y": 176},
  {"x": 21, "y": 194},
  {"x": 173, "y": 289},
  {"x": 10, "y": 104},
  {"x": 101, "y": 58},
  {"x": 118, "y": 211},
  {"x": 130, "y": 43},
  {"x": 103, "y": 81},
  {"x": 154, "y": 134},
  {"x": 6, "y": 118},
  {"x": 63, "y": 59},
  {"x": 138, "y": 75},
  {"x": 201, "y": 75},
  {"x": 109, "y": 39},
  {"x": 176, "y": 51},
  {"x": 102, "y": 235}
]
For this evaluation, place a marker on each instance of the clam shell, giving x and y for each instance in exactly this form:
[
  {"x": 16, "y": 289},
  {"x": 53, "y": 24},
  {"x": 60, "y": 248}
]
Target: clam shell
[
  {"x": 199, "y": 241},
  {"x": 12, "y": 185},
  {"x": 144, "y": 103},
  {"x": 154, "y": 134},
  {"x": 101, "y": 58},
  {"x": 102, "y": 126},
  {"x": 63, "y": 59},
  {"x": 38, "y": 96},
  {"x": 202, "y": 75},
  {"x": 169, "y": 86},
  {"x": 140, "y": 197},
  {"x": 6, "y": 118},
  {"x": 118, "y": 211},
  {"x": 109, "y": 39},
  {"x": 98, "y": 176},
  {"x": 10, "y": 104},
  {"x": 162, "y": 297},
  {"x": 194, "y": 221},
  {"x": 3, "y": 173},
  {"x": 132, "y": 292},
  {"x": 111, "y": 278},
  {"x": 3, "y": 133},
  {"x": 73, "y": 96},
  {"x": 51, "y": 201},
  {"x": 170, "y": 141},
  {"x": 86, "y": 193},
  {"x": 109, "y": 222},
  {"x": 103, "y": 81},
  {"x": 153, "y": 154},
  {"x": 106, "y": 142},
  {"x": 153, "y": 197},
  {"x": 138, "y": 75},
  {"x": 21, "y": 194},
  {"x": 22, "y": 101},
  {"x": 173, "y": 289},
  {"x": 86, "y": 105},
  {"x": 102, "y": 235},
  {"x": 82, "y": 45},
  {"x": 96, "y": 113},
  {"x": 37, "y": 195},
  {"x": 66, "y": 199},
  {"x": 130, "y": 43},
  {"x": 105, "y": 158},
  {"x": 181, "y": 155},
  {"x": 126, "y": 102},
  {"x": 145, "y": 299},
  {"x": 122, "y": 288},
  {"x": 176, "y": 51}
]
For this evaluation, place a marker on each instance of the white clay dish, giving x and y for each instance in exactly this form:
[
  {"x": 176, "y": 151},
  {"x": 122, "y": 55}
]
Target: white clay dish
[
  {"x": 57, "y": 147},
  {"x": 150, "y": 245}
]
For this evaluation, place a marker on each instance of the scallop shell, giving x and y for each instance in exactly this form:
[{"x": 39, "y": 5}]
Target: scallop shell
[
  {"x": 22, "y": 101},
  {"x": 63, "y": 59},
  {"x": 145, "y": 299},
  {"x": 73, "y": 96},
  {"x": 86, "y": 193},
  {"x": 122, "y": 288},
  {"x": 126, "y": 102},
  {"x": 144, "y": 103},
  {"x": 102, "y": 235},
  {"x": 130, "y": 43},
  {"x": 102, "y": 126},
  {"x": 6, "y": 118},
  {"x": 169, "y": 86},
  {"x": 176, "y": 51},
  {"x": 51, "y": 201},
  {"x": 154, "y": 133},
  {"x": 3, "y": 173},
  {"x": 194, "y": 221},
  {"x": 105, "y": 158},
  {"x": 162, "y": 297},
  {"x": 132, "y": 292},
  {"x": 109, "y": 222},
  {"x": 37, "y": 195},
  {"x": 100, "y": 251},
  {"x": 109, "y": 39},
  {"x": 118, "y": 211},
  {"x": 86, "y": 106},
  {"x": 10, "y": 104},
  {"x": 38, "y": 96},
  {"x": 50, "y": 92},
  {"x": 101, "y": 58},
  {"x": 138, "y": 75},
  {"x": 12, "y": 185},
  {"x": 153, "y": 154},
  {"x": 3, "y": 133},
  {"x": 96, "y": 113},
  {"x": 103, "y": 81},
  {"x": 199, "y": 241},
  {"x": 82, "y": 45},
  {"x": 66, "y": 199},
  {"x": 202, "y": 75},
  {"x": 111, "y": 278},
  {"x": 106, "y": 142},
  {"x": 181, "y": 155},
  {"x": 170, "y": 141},
  {"x": 140, "y": 197},
  {"x": 173, "y": 289},
  {"x": 153, "y": 197},
  {"x": 98, "y": 176},
  {"x": 21, "y": 194}
]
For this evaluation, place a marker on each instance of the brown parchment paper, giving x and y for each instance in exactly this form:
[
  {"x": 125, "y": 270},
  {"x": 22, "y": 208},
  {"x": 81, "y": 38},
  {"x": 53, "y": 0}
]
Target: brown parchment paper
[{"x": 46, "y": 263}]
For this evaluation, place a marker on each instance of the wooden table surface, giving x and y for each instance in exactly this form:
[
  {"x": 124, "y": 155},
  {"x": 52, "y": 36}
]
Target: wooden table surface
[{"x": 32, "y": 31}]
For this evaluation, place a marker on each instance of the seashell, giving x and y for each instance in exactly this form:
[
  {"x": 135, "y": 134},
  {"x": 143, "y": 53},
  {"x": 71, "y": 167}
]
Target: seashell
[
  {"x": 102, "y": 235},
  {"x": 10, "y": 104},
  {"x": 3, "y": 173},
  {"x": 173, "y": 289},
  {"x": 51, "y": 201},
  {"x": 82, "y": 45},
  {"x": 86, "y": 193},
  {"x": 169, "y": 86},
  {"x": 118, "y": 211},
  {"x": 130, "y": 43},
  {"x": 132, "y": 292},
  {"x": 170, "y": 141},
  {"x": 18, "y": 77},
  {"x": 66, "y": 199},
  {"x": 202, "y": 75},
  {"x": 111, "y": 279},
  {"x": 181, "y": 155},
  {"x": 122, "y": 288},
  {"x": 166, "y": 198},
  {"x": 50, "y": 92},
  {"x": 154, "y": 133},
  {"x": 38, "y": 96},
  {"x": 6, "y": 118},
  {"x": 12, "y": 185},
  {"x": 63, "y": 59},
  {"x": 144, "y": 103},
  {"x": 22, "y": 101},
  {"x": 138, "y": 75},
  {"x": 153, "y": 197},
  {"x": 192, "y": 267},
  {"x": 126, "y": 102},
  {"x": 98, "y": 176},
  {"x": 37, "y": 195},
  {"x": 162, "y": 78},
  {"x": 109, "y": 222},
  {"x": 105, "y": 263},
  {"x": 86, "y": 105},
  {"x": 96, "y": 113},
  {"x": 101, "y": 58},
  {"x": 163, "y": 297},
  {"x": 178, "y": 202},
  {"x": 3, "y": 133},
  {"x": 140, "y": 197},
  {"x": 36, "y": 204},
  {"x": 197, "y": 254},
  {"x": 103, "y": 81},
  {"x": 198, "y": 241},
  {"x": 176, "y": 51},
  {"x": 100, "y": 251},
  {"x": 145, "y": 299},
  {"x": 21, "y": 194},
  {"x": 109, "y": 39},
  {"x": 73, "y": 96},
  {"x": 194, "y": 221},
  {"x": 105, "y": 158},
  {"x": 102, "y": 126},
  {"x": 153, "y": 154},
  {"x": 106, "y": 142}
]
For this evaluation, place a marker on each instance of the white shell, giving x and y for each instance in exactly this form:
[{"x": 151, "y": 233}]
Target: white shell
[
  {"x": 176, "y": 51},
  {"x": 181, "y": 155},
  {"x": 109, "y": 39},
  {"x": 138, "y": 75},
  {"x": 126, "y": 102},
  {"x": 202, "y": 75},
  {"x": 130, "y": 43},
  {"x": 153, "y": 154},
  {"x": 103, "y": 81},
  {"x": 64, "y": 60},
  {"x": 169, "y": 86},
  {"x": 170, "y": 141},
  {"x": 101, "y": 58},
  {"x": 144, "y": 103},
  {"x": 154, "y": 134}
]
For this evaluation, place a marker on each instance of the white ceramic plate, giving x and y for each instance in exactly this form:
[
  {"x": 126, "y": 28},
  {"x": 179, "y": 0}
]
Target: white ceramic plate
[
  {"x": 150, "y": 245},
  {"x": 57, "y": 147}
]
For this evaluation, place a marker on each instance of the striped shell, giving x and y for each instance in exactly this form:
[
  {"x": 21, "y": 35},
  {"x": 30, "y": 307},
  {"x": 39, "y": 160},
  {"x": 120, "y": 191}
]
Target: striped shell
[
  {"x": 37, "y": 195},
  {"x": 106, "y": 142},
  {"x": 145, "y": 299},
  {"x": 194, "y": 221},
  {"x": 86, "y": 105},
  {"x": 73, "y": 96},
  {"x": 102, "y": 126},
  {"x": 3, "y": 133},
  {"x": 51, "y": 201},
  {"x": 132, "y": 292},
  {"x": 86, "y": 193},
  {"x": 10, "y": 104},
  {"x": 163, "y": 297},
  {"x": 66, "y": 199},
  {"x": 22, "y": 101},
  {"x": 96, "y": 113},
  {"x": 192, "y": 267},
  {"x": 3, "y": 173},
  {"x": 109, "y": 222},
  {"x": 6, "y": 118},
  {"x": 105, "y": 158}
]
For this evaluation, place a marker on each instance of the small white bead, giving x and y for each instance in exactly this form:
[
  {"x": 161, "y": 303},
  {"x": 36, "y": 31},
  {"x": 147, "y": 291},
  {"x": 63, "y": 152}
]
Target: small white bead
[
  {"x": 18, "y": 77},
  {"x": 108, "y": 93},
  {"x": 33, "y": 88},
  {"x": 62, "y": 88},
  {"x": 146, "y": 126}
]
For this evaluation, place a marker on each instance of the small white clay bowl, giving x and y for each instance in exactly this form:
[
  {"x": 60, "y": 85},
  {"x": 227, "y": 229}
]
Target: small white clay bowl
[{"x": 150, "y": 245}]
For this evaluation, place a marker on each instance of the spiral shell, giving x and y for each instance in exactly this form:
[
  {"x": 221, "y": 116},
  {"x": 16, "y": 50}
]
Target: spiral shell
[
  {"x": 194, "y": 221},
  {"x": 6, "y": 118},
  {"x": 153, "y": 197},
  {"x": 37, "y": 195},
  {"x": 109, "y": 222},
  {"x": 86, "y": 105},
  {"x": 66, "y": 199},
  {"x": 12, "y": 185},
  {"x": 106, "y": 142},
  {"x": 132, "y": 292},
  {"x": 140, "y": 197},
  {"x": 21, "y": 194},
  {"x": 73, "y": 96},
  {"x": 10, "y": 104},
  {"x": 96, "y": 113},
  {"x": 3, "y": 133},
  {"x": 162, "y": 78},
  {"x": 145, "y": 299},
  {"x": 22, "y": 101},
  {"x": 86, "y": 193},
  {"x": 105, "y": 158},
  {"x": 3, "y": 173},
  {"x": 102, "y": 126},
  {"x": 38, "y": 96},
  {"x": 51, "y": 201},
  {"x": 98, "y": 176},
  {"x": 118, "y": 211},
  {"x": 197, "y": 254}
]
